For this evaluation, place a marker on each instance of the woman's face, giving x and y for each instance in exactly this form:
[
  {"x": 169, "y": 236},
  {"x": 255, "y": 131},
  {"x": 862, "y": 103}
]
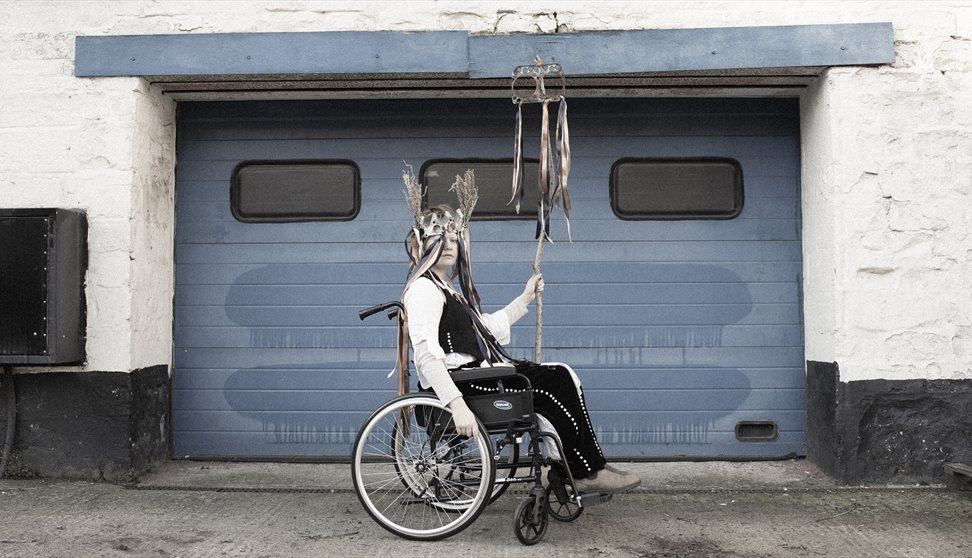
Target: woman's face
[{"x": 449, "y": 254}]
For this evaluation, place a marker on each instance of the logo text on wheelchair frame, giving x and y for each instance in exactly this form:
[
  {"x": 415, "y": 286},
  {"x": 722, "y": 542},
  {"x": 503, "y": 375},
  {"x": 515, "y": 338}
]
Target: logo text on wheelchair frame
[{"x": 502, "y": 405}]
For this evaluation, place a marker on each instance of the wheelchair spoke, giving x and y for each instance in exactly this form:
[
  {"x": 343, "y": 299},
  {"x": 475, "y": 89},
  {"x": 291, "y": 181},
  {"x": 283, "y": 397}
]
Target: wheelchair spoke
[{"x": 420, "y": 481}]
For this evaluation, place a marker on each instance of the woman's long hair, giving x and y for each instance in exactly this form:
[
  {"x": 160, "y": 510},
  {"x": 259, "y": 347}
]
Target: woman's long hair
[{"x": 423, "y": 253}]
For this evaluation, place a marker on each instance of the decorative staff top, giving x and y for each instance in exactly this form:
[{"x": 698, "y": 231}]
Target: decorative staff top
[
  {"x": 538, "y": 71},
  {"x": 553, "y": 172}
]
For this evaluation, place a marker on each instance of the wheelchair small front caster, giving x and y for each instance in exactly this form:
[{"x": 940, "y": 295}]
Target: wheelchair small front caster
[
  {"x": 561, "y": 499},
  {"x": 530, "y": 521},
  {"x": 560, "y": 506}
]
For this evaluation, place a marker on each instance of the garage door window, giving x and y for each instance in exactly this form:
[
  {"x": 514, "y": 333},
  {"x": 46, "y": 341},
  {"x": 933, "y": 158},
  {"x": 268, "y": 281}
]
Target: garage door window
[
  {"x": 288, "y": 191},
  {"x": 493, "y": 180},
  {"x": 696, "y": 188}
]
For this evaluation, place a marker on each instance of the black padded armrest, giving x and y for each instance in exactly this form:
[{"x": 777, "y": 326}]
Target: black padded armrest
[{"x": 486, "y": 373}]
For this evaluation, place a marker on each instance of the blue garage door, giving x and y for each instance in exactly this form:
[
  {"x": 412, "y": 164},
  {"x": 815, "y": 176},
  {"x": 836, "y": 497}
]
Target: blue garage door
[{"x": 682, "y": 330}]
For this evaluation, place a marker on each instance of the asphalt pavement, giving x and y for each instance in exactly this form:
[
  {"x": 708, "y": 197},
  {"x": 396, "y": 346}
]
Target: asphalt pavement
[{"x": 684, "y": 510}]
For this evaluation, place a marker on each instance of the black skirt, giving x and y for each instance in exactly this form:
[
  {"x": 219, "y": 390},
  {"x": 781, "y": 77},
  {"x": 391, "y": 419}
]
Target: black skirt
[{"x": 559, "y": 400}]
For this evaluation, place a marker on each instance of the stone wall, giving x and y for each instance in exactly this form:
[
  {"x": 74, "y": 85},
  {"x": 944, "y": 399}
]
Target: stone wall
[
  {"x": 886, "y": 159},
  {"x": 886, "y": 176}
]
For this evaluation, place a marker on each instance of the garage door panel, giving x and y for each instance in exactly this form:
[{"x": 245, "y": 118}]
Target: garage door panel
[
  {"x": 267, "y": 336},
  {"x": 564, "y": 252},
  {"x": 370, "y": 153},
  {"x": 294, "y": 400},
  {"x": 724, "y": 400},
  {"x": 360, "y": 273},
  {"x": 568, "y": 336},
  {"x": 230, "y": 423},
  {"x": 666, "y": 357},
  {"x": 560, "y": 293},
  {"x": 291, "y": 441},
  {"x": 680, "y": 315},
  {"x": 356, "y": 125},
  {"x": 585, "y": 228},
  {"x": 636, "y": 422},
  {"x": 657, "y": 377},
  {"x": 349, "y": 376},
  {"x": 491, "y": 272},
  {"x": 699, "y": 443},
  {"x": 712, "y": 423},
  {"x": 222, "y": 357},
  {"x": 338, "y": 376},
  {"x": 631, "y": 315},
  {"x": 213, "y": 161},
  {"x": 593, "y": 155},
  {"x": 348, "y": 336},
  {"x": 388, "y": 188}
]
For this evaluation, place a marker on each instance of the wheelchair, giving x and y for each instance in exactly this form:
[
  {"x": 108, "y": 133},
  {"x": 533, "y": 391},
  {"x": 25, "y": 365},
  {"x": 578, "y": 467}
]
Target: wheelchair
[{"x": 421, "y": 480}]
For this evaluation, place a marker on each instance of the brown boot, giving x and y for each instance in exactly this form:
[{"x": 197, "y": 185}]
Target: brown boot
[{"x": 609, "y": 480}]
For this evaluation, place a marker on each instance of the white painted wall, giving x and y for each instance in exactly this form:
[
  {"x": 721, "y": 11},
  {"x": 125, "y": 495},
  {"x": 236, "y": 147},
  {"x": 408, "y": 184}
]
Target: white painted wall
[
  {"x": 887, "y": 180},
  {"x": 886, "y": 173}
]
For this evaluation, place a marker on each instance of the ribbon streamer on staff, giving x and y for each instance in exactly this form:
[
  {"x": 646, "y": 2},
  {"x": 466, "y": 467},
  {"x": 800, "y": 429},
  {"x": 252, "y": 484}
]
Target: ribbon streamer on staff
[{"x": 553, "y": 171}]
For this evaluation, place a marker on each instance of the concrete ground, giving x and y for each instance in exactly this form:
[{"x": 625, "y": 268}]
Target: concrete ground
[{"x": 684, "y": 510}]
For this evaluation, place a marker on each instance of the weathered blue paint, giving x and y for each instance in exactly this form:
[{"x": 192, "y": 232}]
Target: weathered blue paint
[
  {"x": 482, "y": 56},
  {"x": 671, "y": 50},
  {"x": 679, "y": 329},
  {"x": 334, "y": 52}
]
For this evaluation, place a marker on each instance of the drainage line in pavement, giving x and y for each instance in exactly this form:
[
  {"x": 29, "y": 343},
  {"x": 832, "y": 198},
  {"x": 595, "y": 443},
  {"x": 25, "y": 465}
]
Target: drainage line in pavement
[
  {"x": 669, "y": 491},
  {"x": 268, "y": 490}
]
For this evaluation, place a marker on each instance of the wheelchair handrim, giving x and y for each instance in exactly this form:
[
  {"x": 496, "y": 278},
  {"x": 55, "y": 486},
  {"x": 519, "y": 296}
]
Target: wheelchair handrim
[{"x": 462, "y": 513}]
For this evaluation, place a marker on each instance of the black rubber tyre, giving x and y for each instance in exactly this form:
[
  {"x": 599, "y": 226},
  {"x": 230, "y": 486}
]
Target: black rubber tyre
[
  {"x": 566, "y": 511},
  {"x": 420, "y": 483},
  {"x": 529, "y": 529}
]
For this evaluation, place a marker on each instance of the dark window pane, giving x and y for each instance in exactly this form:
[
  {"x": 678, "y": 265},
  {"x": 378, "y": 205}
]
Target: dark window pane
[
  {"x": 494, "y": 178},
  {"x": 296, "y": 191},
  {"x": 23, "y": 285},
  {"x": 703, "y": 188}
]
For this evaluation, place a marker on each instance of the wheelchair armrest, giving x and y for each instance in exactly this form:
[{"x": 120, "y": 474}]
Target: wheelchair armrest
[{"x": 495, "y": 372}]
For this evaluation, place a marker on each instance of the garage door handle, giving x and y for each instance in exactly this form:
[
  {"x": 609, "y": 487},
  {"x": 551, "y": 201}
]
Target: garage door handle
[{"x": 378, "y": 308}]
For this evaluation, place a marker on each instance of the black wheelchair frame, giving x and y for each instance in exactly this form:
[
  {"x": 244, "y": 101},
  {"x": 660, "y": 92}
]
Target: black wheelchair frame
[{"x": 457, "y": 476}]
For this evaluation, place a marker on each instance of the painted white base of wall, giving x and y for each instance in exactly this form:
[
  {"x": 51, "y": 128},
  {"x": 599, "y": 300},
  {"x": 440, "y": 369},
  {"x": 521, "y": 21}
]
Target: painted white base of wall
[{"x": 887, "y": 159}]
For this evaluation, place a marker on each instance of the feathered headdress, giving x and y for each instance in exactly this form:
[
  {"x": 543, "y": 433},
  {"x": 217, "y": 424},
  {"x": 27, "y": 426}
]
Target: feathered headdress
[{"x": 424, "y": 245}]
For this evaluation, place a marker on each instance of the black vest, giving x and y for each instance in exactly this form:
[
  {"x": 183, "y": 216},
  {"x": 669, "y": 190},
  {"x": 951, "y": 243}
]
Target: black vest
[{"x": 457, "y": 333}]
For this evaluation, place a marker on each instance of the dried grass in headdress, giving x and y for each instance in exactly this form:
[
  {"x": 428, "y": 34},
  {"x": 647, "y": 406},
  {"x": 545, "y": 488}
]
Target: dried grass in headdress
[
  {"x": 468, "y": 194},
  {"x": 414, "y": 192}
]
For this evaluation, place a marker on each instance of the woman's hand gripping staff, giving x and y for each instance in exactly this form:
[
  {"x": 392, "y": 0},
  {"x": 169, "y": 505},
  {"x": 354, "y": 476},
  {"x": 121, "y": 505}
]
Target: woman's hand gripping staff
[{"x": 534, "y": 285}]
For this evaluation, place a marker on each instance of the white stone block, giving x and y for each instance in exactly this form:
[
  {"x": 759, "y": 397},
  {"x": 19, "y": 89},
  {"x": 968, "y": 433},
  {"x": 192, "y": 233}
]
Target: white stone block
[{"x": 886, "y": 170}]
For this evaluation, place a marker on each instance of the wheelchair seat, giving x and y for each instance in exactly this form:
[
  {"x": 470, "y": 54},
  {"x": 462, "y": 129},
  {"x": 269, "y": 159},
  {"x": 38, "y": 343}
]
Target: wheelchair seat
[
  {"x": 495, "y": 372},
  {"x": 503, "y": 408}
]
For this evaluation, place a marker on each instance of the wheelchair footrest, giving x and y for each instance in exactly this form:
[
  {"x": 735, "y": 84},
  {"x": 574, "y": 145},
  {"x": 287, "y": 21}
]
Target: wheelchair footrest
[{"x": 594, "y": 498}]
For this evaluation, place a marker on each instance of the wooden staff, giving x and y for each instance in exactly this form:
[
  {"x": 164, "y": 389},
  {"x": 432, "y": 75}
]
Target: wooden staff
[
  {"x": 539, "y": 291},
  {"x": 552, "y": 179}
]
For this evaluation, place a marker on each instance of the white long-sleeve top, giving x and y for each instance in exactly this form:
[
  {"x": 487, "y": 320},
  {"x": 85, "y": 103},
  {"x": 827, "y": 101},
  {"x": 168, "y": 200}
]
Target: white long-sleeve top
[{"x": 423, "y": 305}]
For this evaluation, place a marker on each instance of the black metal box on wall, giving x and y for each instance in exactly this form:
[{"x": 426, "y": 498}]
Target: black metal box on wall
[{"x": 43, "y": 258}]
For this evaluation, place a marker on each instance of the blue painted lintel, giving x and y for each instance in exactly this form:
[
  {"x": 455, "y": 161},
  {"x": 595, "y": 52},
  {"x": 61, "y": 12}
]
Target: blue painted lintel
[
  {"x": 484, "y": 56},
  {"x": 338, "y": 52},
  {"x": 675, "y": 50}
]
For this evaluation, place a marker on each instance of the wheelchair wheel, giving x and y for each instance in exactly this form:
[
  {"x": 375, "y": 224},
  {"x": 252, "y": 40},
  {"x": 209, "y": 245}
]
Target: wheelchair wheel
[
  {"x": 504, "y": 463},
  {"x": 414, "y": 475},
  {"x": 560, "y": 507},
  {"x": 530, "y": 521}
]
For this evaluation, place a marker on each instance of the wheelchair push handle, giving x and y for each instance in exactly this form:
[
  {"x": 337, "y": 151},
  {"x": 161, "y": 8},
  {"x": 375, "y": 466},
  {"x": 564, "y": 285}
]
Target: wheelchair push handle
[{"x": 379, "y": 307}]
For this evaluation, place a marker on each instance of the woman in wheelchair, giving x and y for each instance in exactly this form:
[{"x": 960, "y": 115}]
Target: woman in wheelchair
[{"x": 447, "y": 331}]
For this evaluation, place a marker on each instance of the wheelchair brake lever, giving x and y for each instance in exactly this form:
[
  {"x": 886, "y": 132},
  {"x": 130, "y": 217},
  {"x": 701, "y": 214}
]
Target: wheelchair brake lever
[{"x": 378, "y": 308}]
